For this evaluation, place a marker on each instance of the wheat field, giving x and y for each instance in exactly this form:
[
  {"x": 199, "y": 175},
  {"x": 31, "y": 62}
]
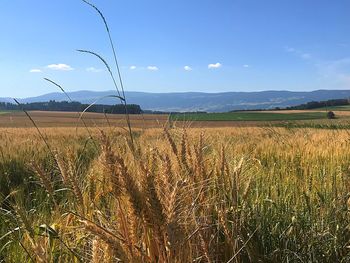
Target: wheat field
[{"x": 175, "y": 195}]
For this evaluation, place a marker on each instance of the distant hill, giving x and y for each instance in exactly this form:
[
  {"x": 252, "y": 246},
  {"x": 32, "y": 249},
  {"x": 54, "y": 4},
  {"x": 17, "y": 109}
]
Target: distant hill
[{"x": 198, "y": 101}]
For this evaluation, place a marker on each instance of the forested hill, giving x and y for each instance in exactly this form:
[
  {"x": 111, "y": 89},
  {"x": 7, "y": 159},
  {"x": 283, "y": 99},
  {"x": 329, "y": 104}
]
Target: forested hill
[{"x": 71, "y": 106}]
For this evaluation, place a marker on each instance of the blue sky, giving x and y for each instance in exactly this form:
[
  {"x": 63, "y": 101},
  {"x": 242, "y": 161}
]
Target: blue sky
[{"x": 182, "y": 45}]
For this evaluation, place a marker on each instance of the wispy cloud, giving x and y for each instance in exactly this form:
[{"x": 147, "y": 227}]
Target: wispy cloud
[
  {"x": 343, "y": 45},
  {"x": 63, "y": 67},
  {"x": 305, "y": 56},
  {"x": 298, "y": 53},
  {"x": 246, "y": 66},
  {"x": 213, "y": 66},
  {"x": 336, "y": 71},
  {"x": 35, "y": 70},
  {"x": 290, "y": 49},
  {"x": 95, "y": 70},
  {"x": 133, "y": 67},
  {"x": 153, "y": 68},
  {"x": 187, "y": 68}
]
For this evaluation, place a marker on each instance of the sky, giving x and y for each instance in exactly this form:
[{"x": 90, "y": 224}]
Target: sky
[{"x": 175, "y": 45}]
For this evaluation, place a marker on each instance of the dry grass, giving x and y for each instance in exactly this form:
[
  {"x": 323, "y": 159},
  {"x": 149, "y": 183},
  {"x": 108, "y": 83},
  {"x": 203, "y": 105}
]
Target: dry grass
[
  {"x": 202, "y": 195},
  {"x": 71, "y": 119}
]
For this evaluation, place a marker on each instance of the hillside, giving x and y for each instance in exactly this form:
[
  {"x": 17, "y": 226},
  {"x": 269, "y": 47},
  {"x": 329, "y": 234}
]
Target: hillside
[{"x": 198, "y": 101}]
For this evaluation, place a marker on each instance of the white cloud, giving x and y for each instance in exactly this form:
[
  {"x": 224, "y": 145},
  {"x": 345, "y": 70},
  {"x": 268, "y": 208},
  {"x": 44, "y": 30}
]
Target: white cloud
[
  {"x": 152, "y": 68},
  {"x": 35, "y": 70},
  {"x": 63, "y": 67},
  {"x": 132, "y": 67},
  {"x": 92, "y": 69},
  {"x": 245, "y": 66},
  {"x": 216, "y": 65},
  {"x": 187, "y": 68}
]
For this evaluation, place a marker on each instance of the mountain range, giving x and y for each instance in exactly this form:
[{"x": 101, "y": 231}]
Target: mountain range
[{"x": 197, "y": 101}]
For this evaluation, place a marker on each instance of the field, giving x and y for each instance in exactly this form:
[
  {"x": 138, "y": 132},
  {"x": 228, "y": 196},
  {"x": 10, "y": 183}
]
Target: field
[
  {"x": 71, "y": 119},
  {"x": 249, "y": 116},
  {"x": 208, "y": 194},
  {"x": 234, "y": 119},
  {"x": 269, "y": 186}
]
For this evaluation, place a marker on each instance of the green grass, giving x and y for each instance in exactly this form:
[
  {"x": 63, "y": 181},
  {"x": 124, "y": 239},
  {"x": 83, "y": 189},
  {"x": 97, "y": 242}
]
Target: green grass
[
  {"x": 314, "y": 125},
  {"x": 9, "y": 111},
  {"x": 248, "y": 116}
]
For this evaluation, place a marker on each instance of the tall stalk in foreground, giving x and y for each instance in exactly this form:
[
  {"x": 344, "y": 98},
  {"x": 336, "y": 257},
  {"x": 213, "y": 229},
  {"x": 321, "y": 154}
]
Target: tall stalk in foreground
[{"x": 122, "y": 93}]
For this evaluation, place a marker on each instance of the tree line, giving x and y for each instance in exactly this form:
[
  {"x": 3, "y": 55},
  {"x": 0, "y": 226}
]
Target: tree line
[
  {"x": 74, "y": 106},
  {"x": 320, "y": 104}
]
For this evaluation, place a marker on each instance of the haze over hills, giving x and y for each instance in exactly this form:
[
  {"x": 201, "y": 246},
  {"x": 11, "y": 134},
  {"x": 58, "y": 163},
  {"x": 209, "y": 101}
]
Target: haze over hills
[{"x": 197, "y": 101}]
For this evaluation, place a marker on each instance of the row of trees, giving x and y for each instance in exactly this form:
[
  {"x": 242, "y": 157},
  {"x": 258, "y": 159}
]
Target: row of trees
[
  {"x": 72, "y": 106},
  {"x": 320, "y": 104}
]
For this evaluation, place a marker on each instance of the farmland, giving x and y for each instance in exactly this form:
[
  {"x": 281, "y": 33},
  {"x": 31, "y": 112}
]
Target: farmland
[
  {"x": 249, "y": 116},
  {"x": 72, "y": 119},
  {"x": 88, "y": 174},
  {"x": 207, "y": 192},
  {"x": 234, "y": 119}
]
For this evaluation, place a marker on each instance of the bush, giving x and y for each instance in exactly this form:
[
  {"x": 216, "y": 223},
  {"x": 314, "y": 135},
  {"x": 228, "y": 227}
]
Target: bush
[{"x": 330, "y": 115}]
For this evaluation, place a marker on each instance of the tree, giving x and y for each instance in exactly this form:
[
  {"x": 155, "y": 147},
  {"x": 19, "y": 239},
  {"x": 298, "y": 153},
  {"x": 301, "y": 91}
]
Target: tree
[{"x": 330, "y": 115}]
